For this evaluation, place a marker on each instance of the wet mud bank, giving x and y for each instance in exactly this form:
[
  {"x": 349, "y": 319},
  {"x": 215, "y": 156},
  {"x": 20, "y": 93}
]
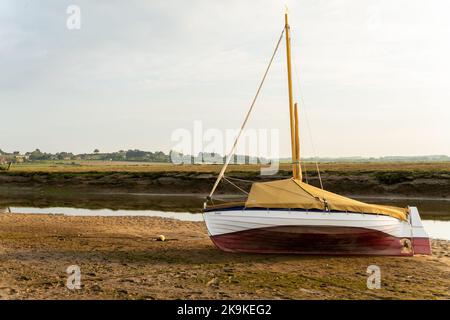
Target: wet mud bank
[{"x": 434, "y": 184}]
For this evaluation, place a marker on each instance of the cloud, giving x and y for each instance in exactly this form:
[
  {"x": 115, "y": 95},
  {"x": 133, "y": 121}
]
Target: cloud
[{"x": 138, "y": 70}]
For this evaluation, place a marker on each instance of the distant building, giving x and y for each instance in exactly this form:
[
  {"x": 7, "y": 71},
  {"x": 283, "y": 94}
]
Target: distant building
[{"x": 21, "y": 158}]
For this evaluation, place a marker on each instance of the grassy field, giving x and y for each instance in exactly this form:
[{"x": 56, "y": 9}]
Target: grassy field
[{"x": 116, "y": 166}]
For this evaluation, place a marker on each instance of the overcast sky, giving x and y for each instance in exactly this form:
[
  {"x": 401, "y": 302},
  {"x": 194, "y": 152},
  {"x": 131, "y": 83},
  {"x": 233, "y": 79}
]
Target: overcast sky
[{"x": 374, "y": 74}]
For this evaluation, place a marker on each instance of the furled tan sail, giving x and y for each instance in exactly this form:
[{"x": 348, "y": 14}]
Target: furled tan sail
[{"x": 295, "y": 194}]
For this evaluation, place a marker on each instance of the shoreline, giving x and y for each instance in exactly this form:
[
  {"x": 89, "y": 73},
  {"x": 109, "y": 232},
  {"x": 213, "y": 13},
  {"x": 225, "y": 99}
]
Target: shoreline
[
  {"x": 119, "y": 259},
  {"x": 93, "y": 199}
]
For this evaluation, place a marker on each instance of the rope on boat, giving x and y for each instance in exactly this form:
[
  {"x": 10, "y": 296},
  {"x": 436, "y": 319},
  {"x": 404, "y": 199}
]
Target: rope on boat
[
  {"x": 228, "y": 159},
  {"x": 306, "y": 172},
  {"x": 237, "y": 179},
  {"x": 235, "y": 185},
  {"x": 307, "y": 121}
]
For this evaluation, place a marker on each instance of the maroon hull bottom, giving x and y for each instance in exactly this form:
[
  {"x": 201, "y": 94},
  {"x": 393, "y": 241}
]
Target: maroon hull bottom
[
  {"x": 319, "y": 240},
  {"x": 421, "y": 246}
]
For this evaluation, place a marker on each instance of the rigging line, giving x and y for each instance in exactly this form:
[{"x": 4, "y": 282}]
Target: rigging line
[
  {"x": 306, "y": 173},
  {"x": 227, "y": 162},
  {"x": 309, "y": 130},
  {"x": 237, "y": 179},
  {"x": 235, "y": 185},
  {"x": 299, "y": 185},
  {"x": 312, "y": 146},
  {"x": 302, "y": 101}
]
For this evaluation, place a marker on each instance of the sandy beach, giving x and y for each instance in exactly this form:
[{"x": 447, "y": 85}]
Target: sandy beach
[{"x": 119, "y": 258}]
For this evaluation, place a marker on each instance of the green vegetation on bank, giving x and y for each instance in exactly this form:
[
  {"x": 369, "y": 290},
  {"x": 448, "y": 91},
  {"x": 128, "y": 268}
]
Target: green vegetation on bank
[{"x": 387, "y": 172}]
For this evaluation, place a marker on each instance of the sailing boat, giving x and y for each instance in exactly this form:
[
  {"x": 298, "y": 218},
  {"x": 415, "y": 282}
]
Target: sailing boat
[{"x": 291, "y": 216}]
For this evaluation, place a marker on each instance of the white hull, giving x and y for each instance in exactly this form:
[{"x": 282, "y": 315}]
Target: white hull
[{"x": 289, "y": 228}]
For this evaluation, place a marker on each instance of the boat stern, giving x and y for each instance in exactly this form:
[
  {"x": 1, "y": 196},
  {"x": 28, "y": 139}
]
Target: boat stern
[{"x": 420, "y": 240}]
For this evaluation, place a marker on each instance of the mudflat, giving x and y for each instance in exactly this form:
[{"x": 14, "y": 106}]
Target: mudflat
[{"x": 119, "y": 258}]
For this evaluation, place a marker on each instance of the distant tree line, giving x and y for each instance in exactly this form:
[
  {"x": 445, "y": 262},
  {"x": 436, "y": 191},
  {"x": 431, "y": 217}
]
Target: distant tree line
[
  {"x": 122, "y": 155},
  {"x": 176, "y": 157}
]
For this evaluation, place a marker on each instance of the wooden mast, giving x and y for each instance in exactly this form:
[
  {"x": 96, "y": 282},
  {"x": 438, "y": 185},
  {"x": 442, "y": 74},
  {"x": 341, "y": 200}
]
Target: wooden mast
[
  {"x": 296, "y": 170},
  {"x": 297, "y": 141}
]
